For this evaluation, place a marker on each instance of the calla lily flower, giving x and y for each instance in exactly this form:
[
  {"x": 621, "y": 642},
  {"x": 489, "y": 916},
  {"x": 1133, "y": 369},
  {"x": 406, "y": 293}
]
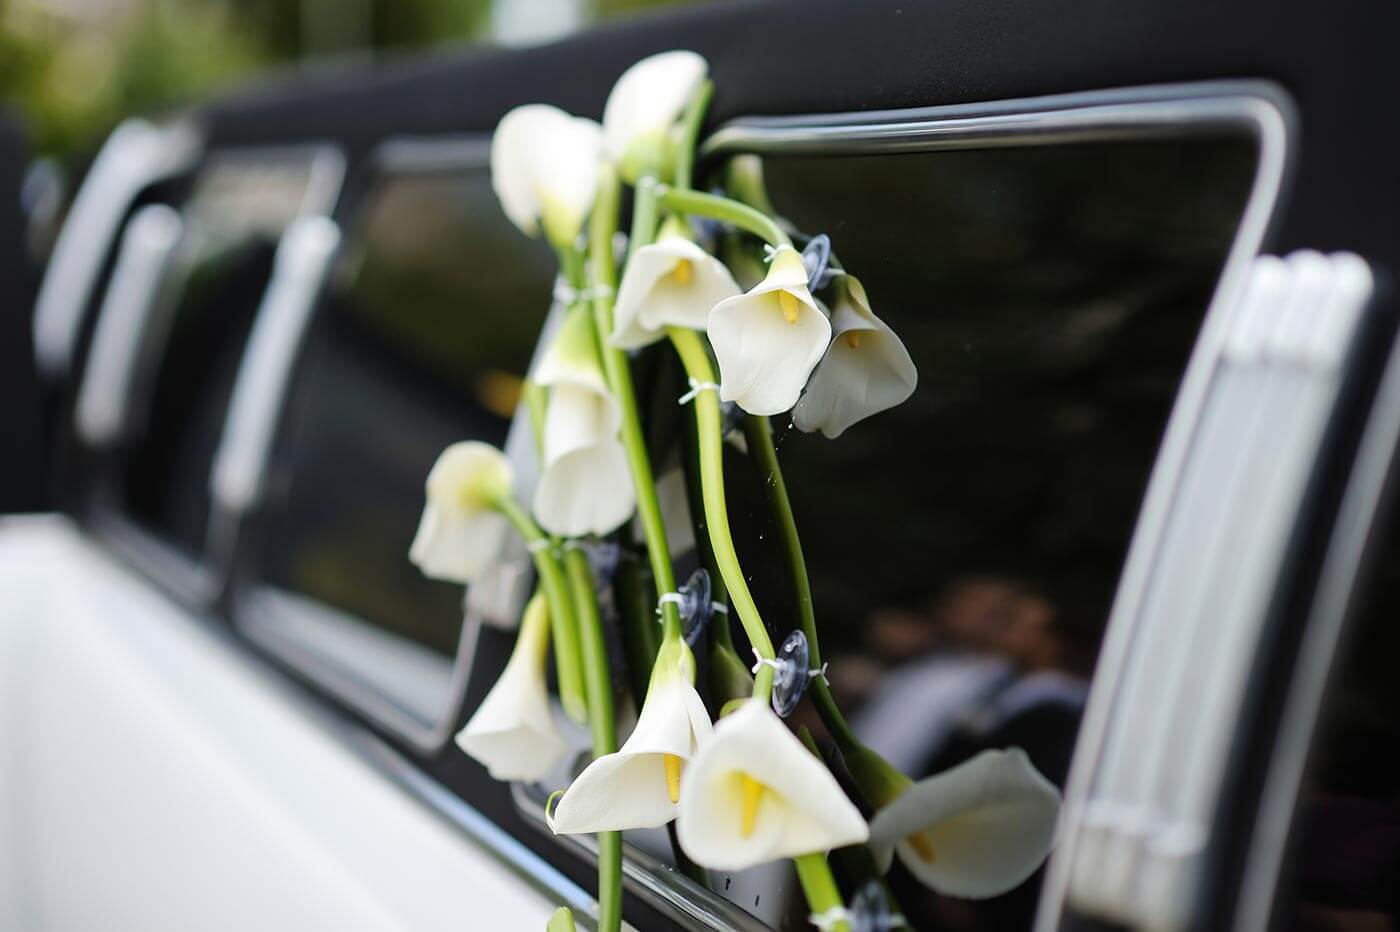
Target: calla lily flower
[
  {"x": 642, "y": 108},
  {"x": 461, "y": 534},
  {"x": 639, "y": 785},
  {"x": 544, "y": 169},
  {"x": 585, "y": 486},
  {"x": 975, "y": 831},
  {"x": 672, "y": 282},
  {"x": 866, "y": 369},
  {"x": 513, "y": 734},
  {"x": 768, "y": 340},
  {"x": 755, "y": 794}
]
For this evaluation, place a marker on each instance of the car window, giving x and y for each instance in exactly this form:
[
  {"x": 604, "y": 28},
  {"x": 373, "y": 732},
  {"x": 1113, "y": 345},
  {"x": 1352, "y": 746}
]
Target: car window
[
  {"x": 237, "y": 210},
  {"x": 1345, "y": 847},
  {"x": 965, "y": 546},
  {"x": 427, "y": 331}
]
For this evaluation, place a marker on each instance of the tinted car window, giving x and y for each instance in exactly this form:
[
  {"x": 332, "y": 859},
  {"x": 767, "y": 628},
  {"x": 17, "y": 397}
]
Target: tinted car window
[
  {"x": 427, "y": 331},
  {"x": 235, "y": 214},
  {"x": 1346, "y": 836},
  {"x": 964, "y": 547}
]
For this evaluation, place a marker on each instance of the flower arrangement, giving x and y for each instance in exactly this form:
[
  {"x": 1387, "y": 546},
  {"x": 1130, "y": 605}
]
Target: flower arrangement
[{"x": 744, "y": 790}]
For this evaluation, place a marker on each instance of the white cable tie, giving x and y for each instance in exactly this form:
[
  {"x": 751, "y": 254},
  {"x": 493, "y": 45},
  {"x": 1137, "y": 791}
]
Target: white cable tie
[
  {"x": 673, "y": 597},
  {"x": 535, "y": 546},
  {"x": 719, "y": 608},
  {"x": 565, "y": 294},
  {"x": 813, "y": 674},
  {"x": 831, "y": 918},
  {"x": 769, "y": 251},
  {"x": 761, "y": 661},
  {"x": 695, "y": 389}
]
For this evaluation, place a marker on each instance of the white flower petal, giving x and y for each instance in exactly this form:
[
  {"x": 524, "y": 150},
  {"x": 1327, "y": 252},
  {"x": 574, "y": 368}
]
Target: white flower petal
[
  {"x": 652, "y": 296},
  {"x": 457, "y": 548},
  {"x": 512, "y": 732},
  {"x": 648, "y": 99},
  {"x": 990, "y": 821},
  {"x": 629, "y": 789},
  {"x": 459, "y": 536},
  {"x": 852, "y": 382},
  {"x": 586, "y": 491},
  {"x": 544, "y": 167},
  {"x": 577, "y": 418},
  {"x": 802, "y": 810},
  {"x": 765, "y": 359}
]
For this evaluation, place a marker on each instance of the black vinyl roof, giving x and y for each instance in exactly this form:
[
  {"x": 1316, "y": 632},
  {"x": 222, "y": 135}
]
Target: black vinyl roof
[{"x": 773, "y": 57}]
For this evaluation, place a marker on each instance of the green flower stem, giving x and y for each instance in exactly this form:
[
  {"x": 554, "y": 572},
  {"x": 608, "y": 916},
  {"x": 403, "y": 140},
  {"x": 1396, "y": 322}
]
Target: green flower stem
[
  {"x": 598, "y": 679},
  {"x": 536, "y": 398},
  {"x": 567, "y": 661},
  {"x": 759, "y": 434},
  {"x": 645, "y": 214},
  {"x": 561, "y": 921},
  {"x": 819, "y": 886},
  {"x": 724, "y": 210},
  {"x": 602, "y": 226},
  {"x": 690, "y": 132},
  {"x": 711, "y": 441}
]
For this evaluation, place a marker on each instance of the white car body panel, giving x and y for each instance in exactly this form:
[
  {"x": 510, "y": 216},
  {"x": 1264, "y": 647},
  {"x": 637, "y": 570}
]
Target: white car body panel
[{"x": 153, "y": 776}]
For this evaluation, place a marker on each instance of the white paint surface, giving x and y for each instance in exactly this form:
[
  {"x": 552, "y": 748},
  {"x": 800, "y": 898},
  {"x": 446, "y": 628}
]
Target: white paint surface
[{"x": 154, "y": 778}]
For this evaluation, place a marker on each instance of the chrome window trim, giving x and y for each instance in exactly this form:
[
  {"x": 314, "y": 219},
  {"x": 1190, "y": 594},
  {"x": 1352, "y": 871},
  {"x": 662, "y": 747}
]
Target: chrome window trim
[
  {"x": 1259, "y": 109},
  {"x": 136, "y": 155},
  {"x": 144, "y": 260},
  {"x": 1367, "y": 489},
  {"x": 401, "y": 155}
]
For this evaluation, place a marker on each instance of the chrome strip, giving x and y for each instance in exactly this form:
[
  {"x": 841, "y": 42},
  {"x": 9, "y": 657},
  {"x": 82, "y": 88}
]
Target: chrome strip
[
  {"x": 1317, "y": 654},
  {"x": 303, "y": 259},
  {"x": 123, "y": 321},
  {"x": 665, "y": 889},
  {"x": 135, "y": 156},
  {"x": 1259, "y": 109}
]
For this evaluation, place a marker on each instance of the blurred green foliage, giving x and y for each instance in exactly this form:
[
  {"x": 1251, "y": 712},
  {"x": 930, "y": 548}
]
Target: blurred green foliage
[{"x": 74, "y": 68}]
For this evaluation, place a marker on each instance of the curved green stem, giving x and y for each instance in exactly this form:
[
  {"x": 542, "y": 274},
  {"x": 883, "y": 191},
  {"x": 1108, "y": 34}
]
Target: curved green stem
[
  {"x": 690, "y": 133},
  {"x": 645, "y": 213},
  {"x": 724, "y": 210},
  {"x": 710, "y": 429},
  {"x": 819, "y": 886},
  {"x": 758, "y": 431},
  {"x": 603, "y": 271},
  {"x": 598, "y": 679},
  {"x": 567, "y": 662}
]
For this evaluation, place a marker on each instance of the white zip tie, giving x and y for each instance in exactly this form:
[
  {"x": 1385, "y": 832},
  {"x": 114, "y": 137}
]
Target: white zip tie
[
  {"x": 570, "y": 296},
  {"x": 695, "y": 389},
  {"x": 535, "y": 546},
  {"x": 674, "y": 597},
  {"x": 829, "y": 919},
  {"x": 719, "y": 608},
  {"x": 761, "y": 661},
  {"x": 777, "y": 664},
  {"x": 769, "y": 251}
]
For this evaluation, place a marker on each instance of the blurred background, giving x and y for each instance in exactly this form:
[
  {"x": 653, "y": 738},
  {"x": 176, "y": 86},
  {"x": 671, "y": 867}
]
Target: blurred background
[{"x": 73, "y": 68}]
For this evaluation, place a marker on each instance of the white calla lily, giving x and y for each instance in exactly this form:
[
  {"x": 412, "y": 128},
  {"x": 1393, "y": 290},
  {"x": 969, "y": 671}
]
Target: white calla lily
[
  {"x": 755, "y": 794},
  {"x": 768, "y": 340},
  {"x": 644, "y": 105},
  {"x": 639, "y": 785},
  {"x": 672, "y": 282},
  {"x": 460, "y": 534},
  {"x": 866, "y": 369},
  {"x": 513, "y": 733},
  {"x": 544, "y": 169},
  {"x": 974, "y": 831},
  {"x": 585, "y": 486}
]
